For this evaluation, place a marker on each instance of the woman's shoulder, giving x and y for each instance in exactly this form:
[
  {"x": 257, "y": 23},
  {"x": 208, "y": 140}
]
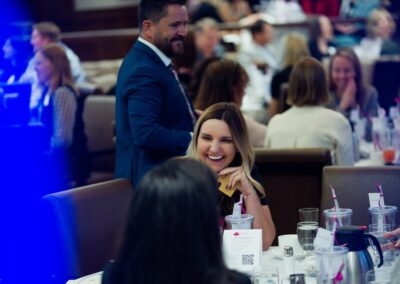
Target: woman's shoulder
[
  {"x": 370, "y": 90},
  {"x": 331, "y": 114}
]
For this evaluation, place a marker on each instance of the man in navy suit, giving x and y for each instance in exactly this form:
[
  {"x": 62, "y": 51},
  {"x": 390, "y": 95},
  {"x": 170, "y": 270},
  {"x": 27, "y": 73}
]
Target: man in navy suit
[{"x": 154, "y": 117}]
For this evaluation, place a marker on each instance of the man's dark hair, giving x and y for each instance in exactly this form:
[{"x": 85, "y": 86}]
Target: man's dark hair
[
  {"x": 154, "y": 10},
  {"x": 257, "y": 27}
]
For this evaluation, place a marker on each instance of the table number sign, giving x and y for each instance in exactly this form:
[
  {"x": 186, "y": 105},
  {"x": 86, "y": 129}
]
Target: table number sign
[{"x": 242, "y": 249}]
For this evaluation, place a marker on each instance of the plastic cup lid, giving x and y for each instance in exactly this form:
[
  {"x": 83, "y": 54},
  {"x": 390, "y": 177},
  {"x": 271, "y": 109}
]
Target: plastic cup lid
[
  {"x": 385, "y": 209},
  {"x": 338, "y": 212},
  {"x": 243, "y": 218}
]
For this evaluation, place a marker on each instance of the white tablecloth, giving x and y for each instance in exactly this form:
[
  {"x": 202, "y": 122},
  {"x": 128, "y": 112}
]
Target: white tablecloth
[{"x": 269, "y": 259}]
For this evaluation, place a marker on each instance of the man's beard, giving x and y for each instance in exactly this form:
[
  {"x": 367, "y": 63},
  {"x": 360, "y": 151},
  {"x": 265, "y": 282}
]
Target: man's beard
[{"x": 171, "y": 48}]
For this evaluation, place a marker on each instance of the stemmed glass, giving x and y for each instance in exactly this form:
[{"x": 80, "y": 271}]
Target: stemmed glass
[
  {"x": 309, "y": 214},
  {"x": 306, "y": 232}
]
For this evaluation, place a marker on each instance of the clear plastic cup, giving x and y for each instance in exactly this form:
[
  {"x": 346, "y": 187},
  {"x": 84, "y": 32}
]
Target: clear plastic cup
[
  {"x": 378, "y": 231},
  {"x": 245, "y": 221},
  {"x": 384, "y": 215},
  {"x": 341, "y": 216},
  {"x": 332, "y": 264}
]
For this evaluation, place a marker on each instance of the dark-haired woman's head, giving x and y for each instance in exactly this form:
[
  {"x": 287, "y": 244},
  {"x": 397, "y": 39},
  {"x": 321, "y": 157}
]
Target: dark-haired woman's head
[
  {"x": 223, "y": 81},
  {"x": 172, "y": 234}
]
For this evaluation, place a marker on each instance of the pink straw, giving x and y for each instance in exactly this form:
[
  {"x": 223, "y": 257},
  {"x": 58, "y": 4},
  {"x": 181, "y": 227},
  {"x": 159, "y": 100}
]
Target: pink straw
[
  {"x": 380, "y": 195},
  {"x": 336, "y": 202}
]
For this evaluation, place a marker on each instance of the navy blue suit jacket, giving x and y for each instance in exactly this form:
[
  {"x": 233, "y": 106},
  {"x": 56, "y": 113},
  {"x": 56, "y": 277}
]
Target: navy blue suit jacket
[{"x": 153, "y": 122}]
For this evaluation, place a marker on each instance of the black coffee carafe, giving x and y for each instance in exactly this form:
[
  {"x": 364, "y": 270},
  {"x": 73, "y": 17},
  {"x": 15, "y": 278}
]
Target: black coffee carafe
[{"x": 359, "y": 260}]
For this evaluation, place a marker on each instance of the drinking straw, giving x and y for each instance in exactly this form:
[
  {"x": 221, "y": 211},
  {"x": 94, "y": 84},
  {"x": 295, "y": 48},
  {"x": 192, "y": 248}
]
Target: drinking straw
[
  {"x": 237, "y": 207},
  {"x": 380, "y": 203},
  {"x": 339, "y": 276},
  {"x": 242, "y": 208},
  {"x": 381, "y": 200},
  {"x": 335, "y": 201}
]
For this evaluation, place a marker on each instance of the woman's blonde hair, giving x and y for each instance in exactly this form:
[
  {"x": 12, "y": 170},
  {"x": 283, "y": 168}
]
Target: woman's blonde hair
[
  {"x": 61, "y": 74},
  {"x": 373, "y": 21},
  {"x": 295, "y": 49},
  {"x": 233, "y": 117}
]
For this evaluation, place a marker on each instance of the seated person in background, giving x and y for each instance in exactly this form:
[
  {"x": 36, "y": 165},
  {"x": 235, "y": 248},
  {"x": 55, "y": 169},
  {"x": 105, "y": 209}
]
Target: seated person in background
[
  {"x": 259, "y": 49},
  {"x": 321, "y": 45},
  {"x": 225, "y": 81},
  {"x": 259, "y": 59},
  {"x": 221, "y": 141},
  {"x": 45, "y": 33},
  {"x": 197, "y": 76},
  {"x": 60, "y": 112},
  {"x": 232, "y": 11},
  {"x": 200, "y": 9},
  {"x": 308, "y": 124},
  {"x": 350, "y": 34},
  {"x": 295, "y": 49},
  {"x": 203, "y": 42},
  {"x": 16, "y": 52},
  {"x": 186, "y": 218},
  {"x": 207, "y": 40},
  {"x": 380, "y": 28},
  {"x": 347, "y": 90}
]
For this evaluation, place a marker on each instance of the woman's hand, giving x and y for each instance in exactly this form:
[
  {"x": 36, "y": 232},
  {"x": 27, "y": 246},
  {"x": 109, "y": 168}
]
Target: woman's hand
[
  {"x": 262, "y": 215},
  {"x": 394, "y": 237},
  {"x": 348, "y": 99},
  {"x": 239, "y": 180}
]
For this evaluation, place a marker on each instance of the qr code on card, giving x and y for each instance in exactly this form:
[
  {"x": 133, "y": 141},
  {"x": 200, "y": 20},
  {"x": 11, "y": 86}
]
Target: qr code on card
[{"x": 247, "y": 259}]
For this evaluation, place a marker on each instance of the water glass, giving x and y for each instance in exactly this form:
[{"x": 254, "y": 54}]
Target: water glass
[
  {"x": 378, "y": 230},
  {"x": 306, "y": 232},
  {"x": 309, "y": 214},
  {"x": 268, "y": 275},
  {"x": 381, "y": 276},
  {"x": 340, "y": 217},
  {"x": 383, "y": 215}
]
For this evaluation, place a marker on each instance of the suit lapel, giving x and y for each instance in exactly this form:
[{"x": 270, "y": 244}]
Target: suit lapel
[{"x": 139, "y": 46}]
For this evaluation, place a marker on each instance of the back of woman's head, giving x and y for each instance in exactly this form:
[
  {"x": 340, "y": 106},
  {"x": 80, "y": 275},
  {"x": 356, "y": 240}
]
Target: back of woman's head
[
  {"x": 223, "y": 81},
  {"x": 308, "y": 84},
  {"x": 197, "y": 75},
  {"x": 295, "y": 49},
  {"x": 61, "y": 75},
  {"x": 172, "y": 234}
]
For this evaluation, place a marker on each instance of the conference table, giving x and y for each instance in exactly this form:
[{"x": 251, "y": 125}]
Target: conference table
[{"x": 271, "y": 259}]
